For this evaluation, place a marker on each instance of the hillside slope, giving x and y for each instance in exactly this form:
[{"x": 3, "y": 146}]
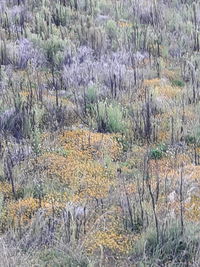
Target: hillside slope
[{"x": 99, "y": 133}]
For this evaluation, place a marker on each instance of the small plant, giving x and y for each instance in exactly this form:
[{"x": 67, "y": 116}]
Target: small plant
[
  {"x": 123, "y": 142},
  {"x": 111, "y": 28},
  {"x": 109, "y": 117},
  {"x": 91, "y": 94},
  {"x": 62, "y": 152},
  {"x": 53, "y": 257},
  {"x": 36, "y": 145},
  {"x": 178, "y": 83},
  {"x": 158, "y": 152},
  {"x": 190, "y": 140},
  {"x": 193, "y": 139}
]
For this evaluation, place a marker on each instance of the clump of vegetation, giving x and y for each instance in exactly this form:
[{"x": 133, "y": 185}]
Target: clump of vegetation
[
  {"x": 159, "y": 152},
  {"x": 172, "y": 248},
  {"x": 178, "y": 83},
  {"x": 109, "y": 117}
]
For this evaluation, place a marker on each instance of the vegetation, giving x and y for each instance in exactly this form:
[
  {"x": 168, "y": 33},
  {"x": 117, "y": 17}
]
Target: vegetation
[{"x": 99, "y": 133}]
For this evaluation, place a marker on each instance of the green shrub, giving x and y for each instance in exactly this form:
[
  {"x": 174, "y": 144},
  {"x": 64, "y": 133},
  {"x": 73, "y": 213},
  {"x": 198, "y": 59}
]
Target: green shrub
[
  {"x": 178, "y": 83},
  {"x": 193, "y": 138},
  {"x": 158, "y": 152},
  {"x": 173, "y": 246},
  {"x": 123, "y": 142},
  {"x": 109, "y": 117},
  {"x": 91, "y": 95},
  {"x": 62, "y": 152},
  {"x": 189, "y": 139},
  {"x": 111, "y": 28},
  {"x": 36, "y": 141},
  {"x": 56, "y": 258},
  {"x": 54, "y": 48}
]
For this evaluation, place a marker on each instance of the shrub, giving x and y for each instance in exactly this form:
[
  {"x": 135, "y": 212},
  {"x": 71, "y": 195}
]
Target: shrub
[
  {"x": 36, "y": 139},
  {"x": 109, "y": 117},
  {"x": 178, "y": 83},
  {"x": 158, "y": 152},
  {"x": 53, "y": 257},
  {"x": 91, "y": 94},
  {"x": 173, "y": 246},
  {"x": 111, "y": 28},
  {"x": 53, "y": 48},
  {"x": 189, "y": 139},
  {"x": 123, "y": 142},
  {"x": 193, "y": 138}
]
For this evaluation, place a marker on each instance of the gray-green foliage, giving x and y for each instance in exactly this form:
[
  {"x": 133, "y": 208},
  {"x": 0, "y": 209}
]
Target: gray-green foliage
[
  {"x": 158, "y": 152},
  {"x": 57, "y": 258},
  {"x": 174, "y": 247},
  {"x": 109, "y": 117},
  {"x": 92, "y": 94}
]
